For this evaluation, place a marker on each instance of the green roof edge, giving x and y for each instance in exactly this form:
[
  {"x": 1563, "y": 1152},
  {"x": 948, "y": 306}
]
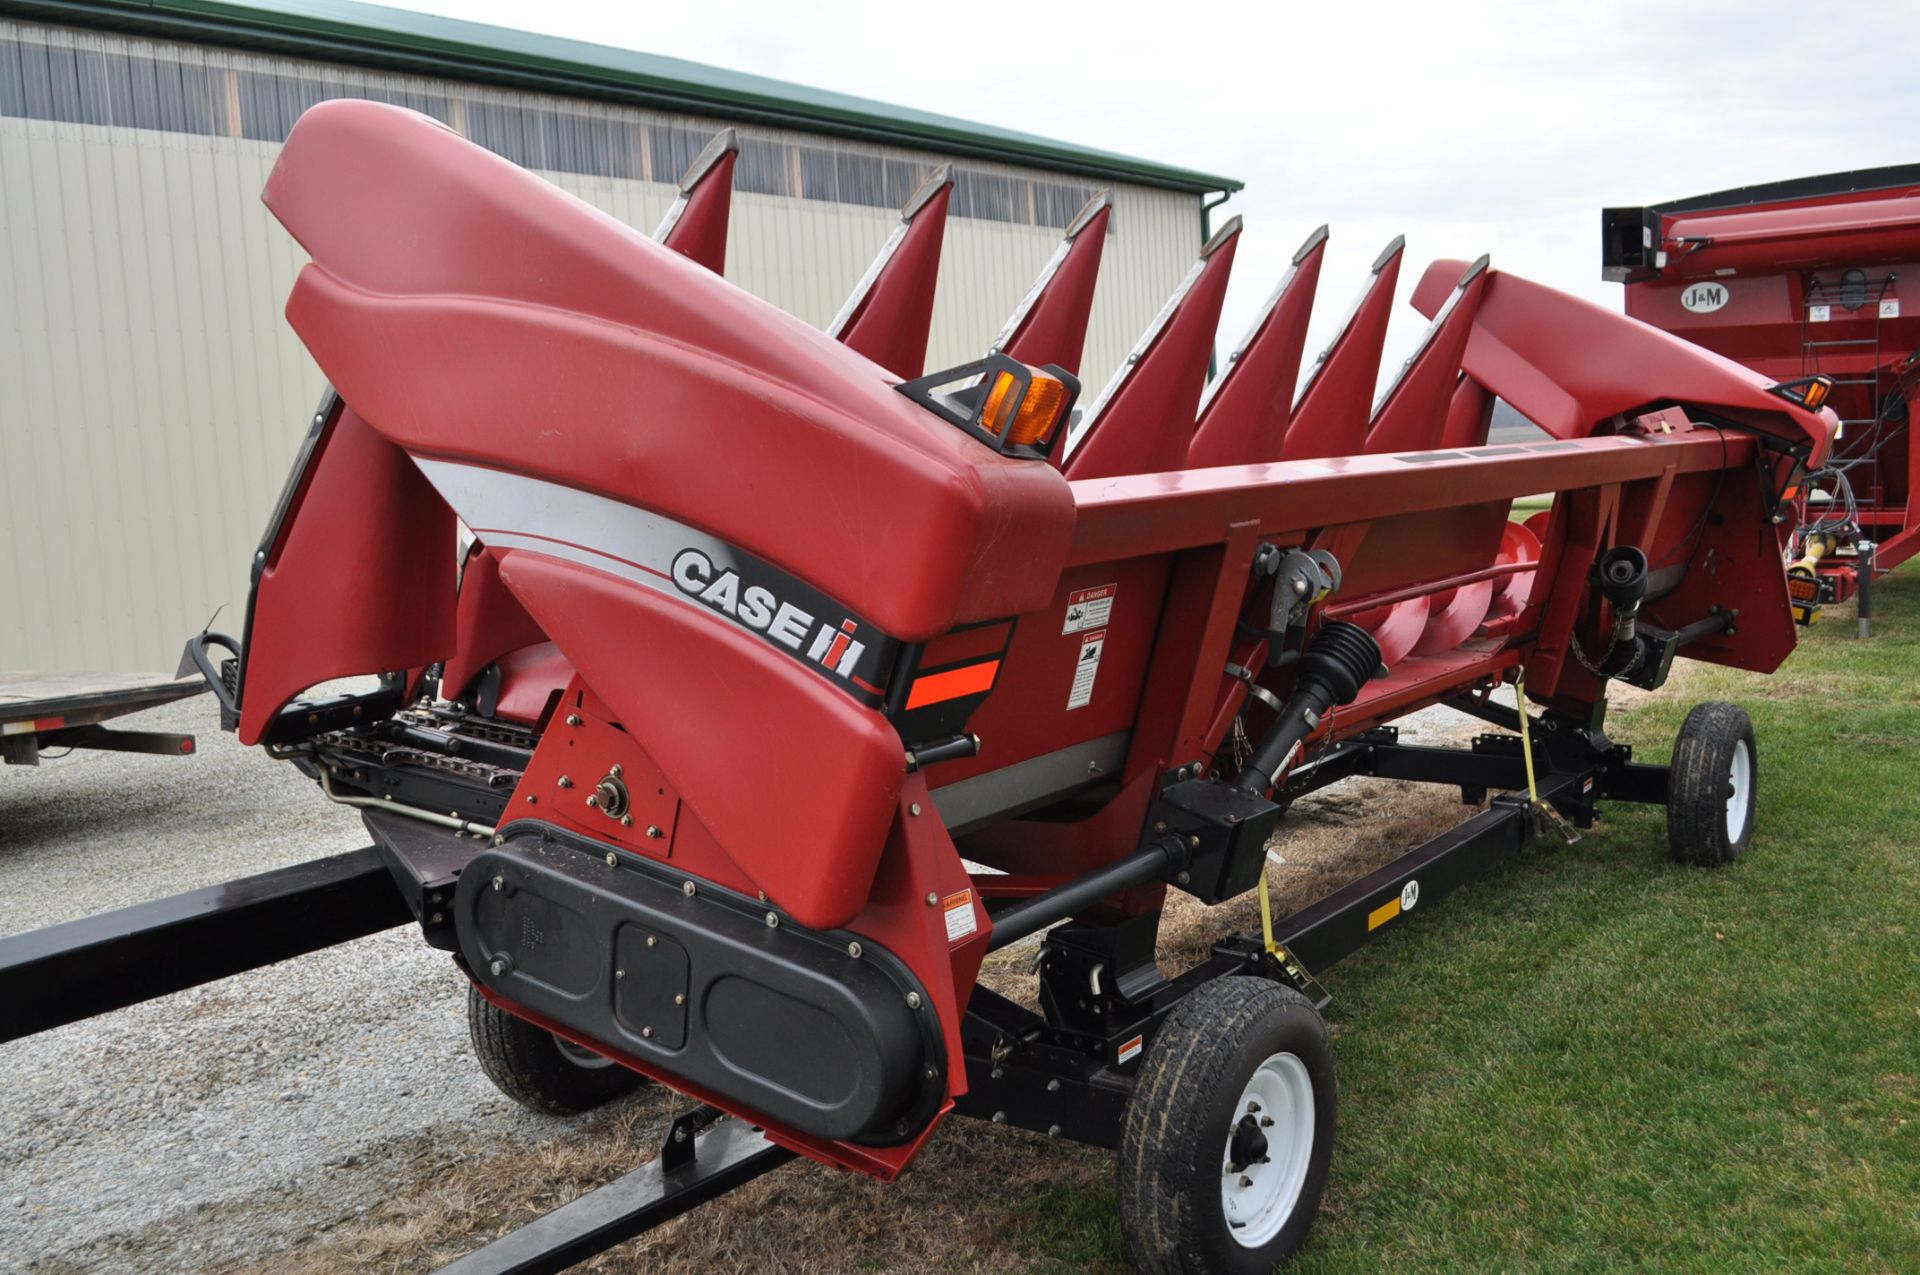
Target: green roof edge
[{"x": 341, "y": 30}]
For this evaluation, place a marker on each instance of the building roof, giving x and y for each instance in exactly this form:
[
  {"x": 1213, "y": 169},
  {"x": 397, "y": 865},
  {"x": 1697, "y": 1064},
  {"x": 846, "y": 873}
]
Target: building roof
[{"x": 371, "y": 35}]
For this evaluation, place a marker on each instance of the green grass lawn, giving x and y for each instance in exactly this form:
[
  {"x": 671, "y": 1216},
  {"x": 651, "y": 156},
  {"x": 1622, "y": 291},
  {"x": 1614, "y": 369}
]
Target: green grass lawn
[{"x": 1597, "y": 1060}]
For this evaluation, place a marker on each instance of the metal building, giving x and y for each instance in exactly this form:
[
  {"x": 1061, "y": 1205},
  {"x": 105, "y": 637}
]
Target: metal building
[{"x": 151, "y": 396}]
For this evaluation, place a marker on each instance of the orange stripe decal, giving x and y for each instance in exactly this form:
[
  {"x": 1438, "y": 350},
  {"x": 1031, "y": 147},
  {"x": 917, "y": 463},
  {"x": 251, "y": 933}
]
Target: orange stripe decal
[{"x": 936, "y": 688}]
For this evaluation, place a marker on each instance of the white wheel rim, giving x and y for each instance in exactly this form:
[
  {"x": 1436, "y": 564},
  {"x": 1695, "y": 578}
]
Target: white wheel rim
[
  {"x": 1258, "y": 1198},
  {"x": 1739, "y": 791}
]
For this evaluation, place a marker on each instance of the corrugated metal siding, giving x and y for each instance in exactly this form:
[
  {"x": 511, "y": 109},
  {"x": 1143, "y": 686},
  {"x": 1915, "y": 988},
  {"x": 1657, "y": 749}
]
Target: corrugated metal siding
[{"x": 151, "y": 395}]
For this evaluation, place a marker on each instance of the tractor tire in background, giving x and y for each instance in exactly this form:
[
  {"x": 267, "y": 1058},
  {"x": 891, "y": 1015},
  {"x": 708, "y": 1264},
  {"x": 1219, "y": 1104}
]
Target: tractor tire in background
[
  {"x": 1712, "y": 786},
  {"x": 538, "y": 1069},
  {"x": 1228, "y": 1132}
]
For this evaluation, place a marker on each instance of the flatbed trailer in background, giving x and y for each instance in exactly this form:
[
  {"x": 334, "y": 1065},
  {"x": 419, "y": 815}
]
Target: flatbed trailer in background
[
  {"x": 64, "y": 710},
  {"x": 1797, "y": 279}
]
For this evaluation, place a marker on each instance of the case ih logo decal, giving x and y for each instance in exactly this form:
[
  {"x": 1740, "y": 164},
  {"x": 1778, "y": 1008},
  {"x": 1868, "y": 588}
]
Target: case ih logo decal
[
  {"x": 758, "y": 608},
  {"x": 513, "y": 511}
]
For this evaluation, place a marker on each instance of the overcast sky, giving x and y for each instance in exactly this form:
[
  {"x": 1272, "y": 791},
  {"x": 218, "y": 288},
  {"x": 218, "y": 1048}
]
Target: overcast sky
[{"x": 1467, "y": 127}]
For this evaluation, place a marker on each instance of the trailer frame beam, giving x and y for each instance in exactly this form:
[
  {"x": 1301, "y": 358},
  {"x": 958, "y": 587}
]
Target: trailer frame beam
[{"x": 63, "y": 973}]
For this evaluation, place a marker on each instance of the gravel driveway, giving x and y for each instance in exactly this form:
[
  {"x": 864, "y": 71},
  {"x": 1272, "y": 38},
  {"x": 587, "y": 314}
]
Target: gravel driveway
[{"x": 232, "y": 1120}]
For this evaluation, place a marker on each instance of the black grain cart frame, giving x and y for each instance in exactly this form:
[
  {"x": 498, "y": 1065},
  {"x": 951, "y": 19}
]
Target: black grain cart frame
[{"x": 1101, "y": 993}]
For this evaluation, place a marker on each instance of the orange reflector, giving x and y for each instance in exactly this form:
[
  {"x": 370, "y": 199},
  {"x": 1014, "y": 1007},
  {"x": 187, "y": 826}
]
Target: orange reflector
[
  {"x": 1028, "y": 420},
  {"x": 1815, "y": 395},
  {"x": 1001, "y": 404},
  {"x": 937, "y": 688},
  {"x": 1040, "y": 412}
]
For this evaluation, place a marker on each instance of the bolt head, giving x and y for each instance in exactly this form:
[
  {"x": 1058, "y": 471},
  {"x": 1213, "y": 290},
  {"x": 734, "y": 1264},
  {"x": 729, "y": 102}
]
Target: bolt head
[
  {"x": 532, "y": 800},
  {"x": 619, "y": 973},
  {"x": 999, "y": 1117},
  {"x": 626, "y": 821},
  {"x": 653, "y": 830},
  {"x": 593, "y": 799},
  {"x": 652, "y": 941},
  {"x": 647, "y": 1032},
  {"x": 914, "y": 809},
  {"x": 613, "y": 860},
  {"x": 933, "y": 900},
  {"x": 615, "y": 770},
  {"x": 499, "y": 883},
  {"x": 498, "y": 967},
  {"x": 1053, "y": 1131},
  {"x": 913, "y": 1000},
  {"x": 436, "y": 919},
  {"x": 565, "y": 782},
  {"x": 499, "y": 840},
  {"x": 573, "y": 719},
  {"x": 773, "y": 920},
  {"x": 1053, "y": 1086},
  {"x": 687, "y": 889},
  {"x": 853, "y": 950},
  {"x": 679, "y": 998}
]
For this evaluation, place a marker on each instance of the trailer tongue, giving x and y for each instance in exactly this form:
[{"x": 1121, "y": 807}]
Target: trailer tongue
[{"x": 782, "y": 682}]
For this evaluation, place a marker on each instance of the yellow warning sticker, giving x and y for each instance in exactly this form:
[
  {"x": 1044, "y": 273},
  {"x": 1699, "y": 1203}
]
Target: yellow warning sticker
[{"x": 1382, "y": 914}]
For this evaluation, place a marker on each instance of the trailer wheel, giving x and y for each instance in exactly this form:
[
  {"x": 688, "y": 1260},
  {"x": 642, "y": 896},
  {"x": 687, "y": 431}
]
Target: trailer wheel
[
  {"x": 539, "y": 1070},
  {"x": 1710, "y": 798},
  {"x": 1224, "y": 1150}
]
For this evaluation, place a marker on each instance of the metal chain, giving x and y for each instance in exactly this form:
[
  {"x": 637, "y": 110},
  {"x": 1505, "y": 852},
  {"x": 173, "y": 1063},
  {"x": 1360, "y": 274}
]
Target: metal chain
[{"x": 1595, "y": 667}]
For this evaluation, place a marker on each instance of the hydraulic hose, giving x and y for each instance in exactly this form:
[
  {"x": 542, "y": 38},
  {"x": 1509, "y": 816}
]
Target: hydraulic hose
[{"x": 1337, "y": 663}]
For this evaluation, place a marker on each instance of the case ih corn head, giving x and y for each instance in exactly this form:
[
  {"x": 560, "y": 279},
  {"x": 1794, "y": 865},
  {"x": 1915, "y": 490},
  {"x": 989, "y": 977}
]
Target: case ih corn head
[
  {"x": 1798, "y": 279},
  {"x": 781, "y": 682}
]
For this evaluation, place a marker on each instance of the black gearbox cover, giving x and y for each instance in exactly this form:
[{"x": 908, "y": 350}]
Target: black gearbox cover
[
  {"x": 782, "y": 1020},
  {"x": 1227, "y": 829}
]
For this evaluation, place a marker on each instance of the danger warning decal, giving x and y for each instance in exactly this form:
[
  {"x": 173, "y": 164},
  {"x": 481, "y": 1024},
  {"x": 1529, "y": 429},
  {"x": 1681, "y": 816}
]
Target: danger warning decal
[
  {"x": 1089, "y": 608},
  {"x": 1086, "y": 669}
]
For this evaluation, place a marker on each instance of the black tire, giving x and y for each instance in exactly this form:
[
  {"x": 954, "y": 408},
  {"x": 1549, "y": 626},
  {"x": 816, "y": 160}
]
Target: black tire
[
  {"x": 1712, "y": 787},
  {"x": 539, "y": 1070},
  {"x": 1179, "y": 1137}
]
